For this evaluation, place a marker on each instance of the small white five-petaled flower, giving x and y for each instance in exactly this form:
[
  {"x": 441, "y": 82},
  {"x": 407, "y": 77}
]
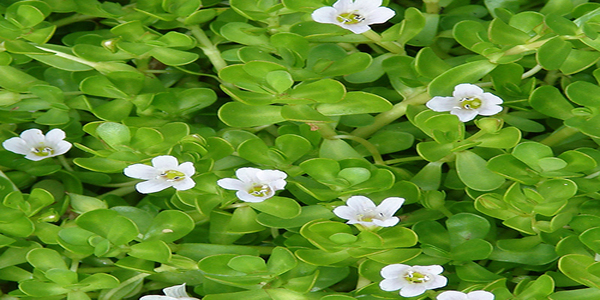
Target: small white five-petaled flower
[
  {"x": 176, "y": 292},
  {"x": 354, "y": 15},
  {"x": 164, "y": 172},
  {"x": 474, "y": 295},
  {"x": 254, "y": 185},
  {"x": 412, "y": 280},
  {"x": 467, "y": 101},
  {"x": 35, "y": 146},
  {"x": 361, "y": 210}
]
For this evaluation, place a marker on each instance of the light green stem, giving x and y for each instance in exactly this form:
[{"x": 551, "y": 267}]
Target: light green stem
[
  {"x": 370, "y": 147},
  {"x": 390, "y": 46},
  {"x": 120, "y": 191},
  {"x": 391, "y": 115},
  {"x": 72, "y": 19},
  {"x": 432, "y": 6},
  {"x": 558, "y": 136},
  {"x": 211, "y": 51},
  {"x": 324, "y": 129},
  {"x": 403, "y": 159},
  {"x": 63, "y": 161},
  {"x": 108, "y": 296}
]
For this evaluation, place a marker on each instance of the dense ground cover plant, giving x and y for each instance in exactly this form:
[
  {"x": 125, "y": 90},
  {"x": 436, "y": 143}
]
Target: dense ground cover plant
[{"x": 299, "y": 149}]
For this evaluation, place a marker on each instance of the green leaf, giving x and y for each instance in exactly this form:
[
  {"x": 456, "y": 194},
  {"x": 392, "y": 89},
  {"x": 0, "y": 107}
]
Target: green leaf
[
  {"x": 470, "y": 72},
  {"x": 355, "y": 103},
  {"x": 473, "y": 172},
  {"x": 549, "y": 101},
  {"x": 237, "y": 114},
  {"x": 282, "y": 207},
  {"x": 155, "y": 250},
  {"x": 575, "y": 267},
  {"x": 169, "y": 226},
  {"x": 553, "y": 53}
]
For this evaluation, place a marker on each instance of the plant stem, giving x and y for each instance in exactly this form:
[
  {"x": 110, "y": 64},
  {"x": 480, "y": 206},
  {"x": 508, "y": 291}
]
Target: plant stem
[
  {"x": 120, "y": 191},
  {"x": 432, "y": 6},
  {"x": 403, "y": 159},
  {"x": 211, "y": 51},
  {"x": 559, "y": 135},
  {"x": 72, "y": 19},
  {"x": 63, "y": 161},
  {"x": 531, "y": 72},
  {"x": 108, "y": 296},
  {"x": 390, "y": 46},
  {"x": 370, "y": 147},
  {"x": 324, "y": 129},
  {"x": 391, "y": 115}
]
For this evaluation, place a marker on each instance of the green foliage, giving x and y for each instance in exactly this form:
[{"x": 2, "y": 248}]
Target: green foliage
[{"x": 507, "y": 203}]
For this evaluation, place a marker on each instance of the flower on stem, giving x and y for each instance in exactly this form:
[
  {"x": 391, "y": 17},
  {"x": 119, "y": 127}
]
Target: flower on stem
[
  {"x": 467, "y": 101},
  {"x": 354, "y": 15},
  {"x": 361, "y": 210},
  {"x": 412, "y": 280},
  {"x": 164, "y": 172},
  {"x": 35, "y": 146},
  {"x": 254, "y": 185},
  {"x": 176, "y": 292},
  {"x": 474, "y": 295}
]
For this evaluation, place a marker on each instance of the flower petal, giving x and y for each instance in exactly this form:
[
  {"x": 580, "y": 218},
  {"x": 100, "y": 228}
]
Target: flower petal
[
  {"x": 61, "y": 148},
  {"x": 466, "y": 90},
  {"x": 345, "y": 212},
  {"x": 247, "y": 175},
  {"x": 32, "y": 156},
  {"x": 17, "y": 145},
  {"x": 342, "y": 6},
  {"x": 480, "y": 295},
  {"x": 380, "y": 15},
  {"x": 388, "y": 222},
  {"x": 231, "y": 184},
  {"x": 165, "y": 162},
  {"x": 244, "y": 196},
  {"x": 156, "y": 297},
  {"x": 491, "y": 98},
  {"x": 33, "y": 136},
  {"x": 326, "y": 15},
  {"x": 270, "y": 175},
  {"x": 389, "y": 285},
  {"x": 278, "y": 185},
  {"x": 187, "y": 168},
  {"x": 440, "y": 104},
  {"x": 55, "y": 135},
  {"x": 433, "y": 269},
  {"x": 367, "y": 6},
  {"x": 394, "y": 270},
  {"x": 489, "y": 110},
  {"x": 452, "y": 295},
  {"x": 437, "y": 282},
  {"x": 360, "y": 203},
  {"x": 412, "y": 290},
  {"x": 356, "y": 28},
  {"x": 141, "y": 171},
  {"x": 390, "y": 205},
  {"x": 152, "y": 186},
  {"x": 464, "y": 115},
  {"x": 184, "y": 184},
  {"x": 176, "y": 291}
]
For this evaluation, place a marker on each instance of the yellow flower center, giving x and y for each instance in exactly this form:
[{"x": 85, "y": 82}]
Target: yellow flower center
[
  {"x": 260, "y": 190},
  {"x": 416, "y": 277},
  {"x": 350, "y": 18},
  {"x": 470, "y": 103},
  {"x": 172, "y": 175},
  {"x": 42, "y": 151}
]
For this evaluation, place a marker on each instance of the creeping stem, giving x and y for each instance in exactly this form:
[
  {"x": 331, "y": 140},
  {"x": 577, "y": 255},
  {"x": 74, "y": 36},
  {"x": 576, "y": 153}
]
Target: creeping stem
[
  {"x": 559, "y": 135},
  {"x": 391, "y": 115},
  {"x": 210, "y": 49},
  {"x": 389, "y": 46}
]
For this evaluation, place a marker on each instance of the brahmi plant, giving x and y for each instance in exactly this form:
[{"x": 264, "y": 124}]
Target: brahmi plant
[{"x": 299, "y": 149}]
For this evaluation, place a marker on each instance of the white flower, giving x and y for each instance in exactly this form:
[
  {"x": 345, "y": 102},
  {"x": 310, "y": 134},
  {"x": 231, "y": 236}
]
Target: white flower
[
  {"x": 35, "y": 146},
  {"x": 164, "y": 172},
  {"x": 176, "y": 292},
  {"x": 254, "y": 185},
  {"x": 467, "y": 101},
  {"x": 412, "y": 281},
  {"x": 361, "y": 210},
  {"x": 474, "y": 295},
  {"x": 355, "y": 16}
]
